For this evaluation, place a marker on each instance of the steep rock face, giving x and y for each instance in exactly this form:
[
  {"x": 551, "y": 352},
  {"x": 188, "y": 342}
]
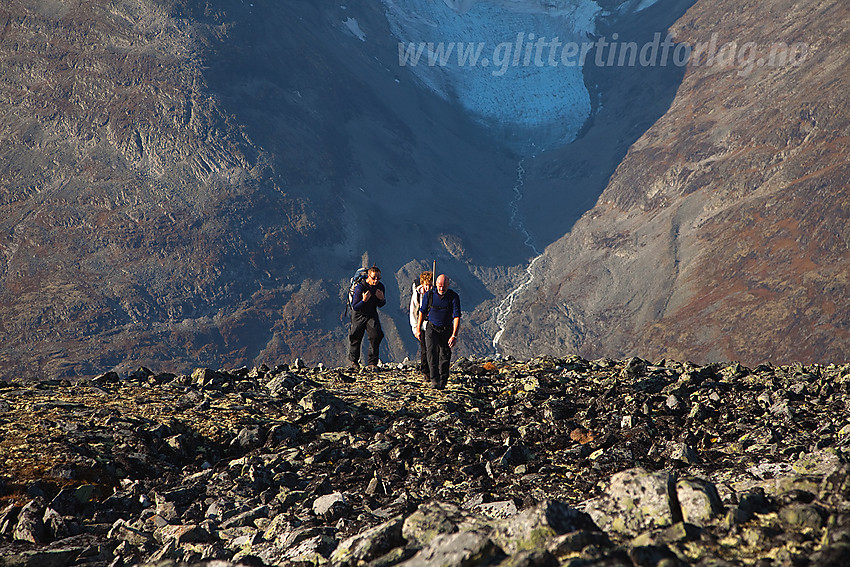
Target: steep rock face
[{"x": 722, "y": 234}]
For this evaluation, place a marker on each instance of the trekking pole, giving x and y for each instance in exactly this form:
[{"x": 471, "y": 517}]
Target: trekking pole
[{"x": 434, "y": 273}]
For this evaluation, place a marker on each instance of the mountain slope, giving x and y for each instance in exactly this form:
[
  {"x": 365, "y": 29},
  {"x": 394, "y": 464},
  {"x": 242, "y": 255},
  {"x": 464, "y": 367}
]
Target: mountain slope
[
  {"x": 191, "y": 182},
  {"x": 723, "y": 233}
]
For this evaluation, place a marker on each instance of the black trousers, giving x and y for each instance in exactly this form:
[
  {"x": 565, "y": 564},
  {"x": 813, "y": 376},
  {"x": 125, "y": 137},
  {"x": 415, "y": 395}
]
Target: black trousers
[
  {"x": 439, "y": 352},
  {"x": 360, "y": 324},
  {"x": 423, "y": 354}
]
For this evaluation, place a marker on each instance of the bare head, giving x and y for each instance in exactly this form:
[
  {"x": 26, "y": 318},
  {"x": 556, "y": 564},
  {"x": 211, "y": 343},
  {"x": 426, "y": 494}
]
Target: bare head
[{"x": 442, "y": 284}]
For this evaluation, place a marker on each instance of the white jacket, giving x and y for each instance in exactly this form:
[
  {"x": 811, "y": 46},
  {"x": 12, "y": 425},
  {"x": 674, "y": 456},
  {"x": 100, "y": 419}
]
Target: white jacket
[{"x": 415, "y": 302}]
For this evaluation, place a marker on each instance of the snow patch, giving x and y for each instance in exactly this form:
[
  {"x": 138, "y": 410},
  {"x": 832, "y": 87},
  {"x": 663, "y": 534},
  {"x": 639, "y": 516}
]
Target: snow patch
[{"x": 354, "y": 28}]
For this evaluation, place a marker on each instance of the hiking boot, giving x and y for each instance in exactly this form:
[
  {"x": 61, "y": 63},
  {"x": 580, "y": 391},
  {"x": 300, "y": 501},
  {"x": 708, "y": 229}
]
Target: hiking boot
[
  {"x": 354, "y": 365},
  {"x": 438, "y": 384},
  {"x": 372, "y": 368}
]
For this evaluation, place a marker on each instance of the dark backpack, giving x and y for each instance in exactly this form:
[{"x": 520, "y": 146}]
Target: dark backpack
[
  {"x": 430, "y": 294},
  {"x": 359, "y": 277}
]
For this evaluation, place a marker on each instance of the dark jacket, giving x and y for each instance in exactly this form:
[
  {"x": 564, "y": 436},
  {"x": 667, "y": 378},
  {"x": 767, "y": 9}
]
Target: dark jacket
[
  {"x": 370, "y": 306},
  {"x": 441, "y": 309}
]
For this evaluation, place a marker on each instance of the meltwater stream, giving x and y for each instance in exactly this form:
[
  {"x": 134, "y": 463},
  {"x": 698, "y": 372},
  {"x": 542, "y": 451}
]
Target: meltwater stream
[{"x": 503, "y": 310}]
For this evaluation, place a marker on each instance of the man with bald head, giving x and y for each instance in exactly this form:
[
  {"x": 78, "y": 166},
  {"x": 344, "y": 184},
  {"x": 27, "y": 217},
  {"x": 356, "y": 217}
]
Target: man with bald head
[{"x": 441, "y": 308}]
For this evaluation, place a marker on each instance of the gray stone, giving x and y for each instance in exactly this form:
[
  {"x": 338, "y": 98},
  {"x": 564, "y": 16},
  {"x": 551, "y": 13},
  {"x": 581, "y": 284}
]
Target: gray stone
[
  {"x": 430, "y": 520},
  {"x": 181, "y": 534},
  {"x": 247, "y": 439},
  {"x": 636, "y": 501},
  {"x": 683, "y": 452},
  {"x": 41, "y": 558},
  {"x": 532, "y": 528},
  {"x": 455, "y": 550},
  {"x": 30, "y": 525},
  {"x": 329, "y": 504},
  {"x": 8, "y": 519},
  {"x": 56, "y": 526},
  {"x": 370, "y": 544},
  {"x": 698, "y": 500},
  {"x": 673, "y": 402},
  {"x": 496, "y": 510},
  {"x": 819, "y": 463},
  {"x": 123, "y": 532}
]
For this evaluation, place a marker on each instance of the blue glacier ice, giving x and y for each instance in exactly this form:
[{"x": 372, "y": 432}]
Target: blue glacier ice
[{"x": 520, "y": 82}]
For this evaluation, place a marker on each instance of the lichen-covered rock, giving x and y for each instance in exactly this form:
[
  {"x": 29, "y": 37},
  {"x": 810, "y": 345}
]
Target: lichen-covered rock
[
  {"x": 455, "y": 550},
  {"x": 802, "y": 516},
  {"x": 819, "y": 463},
  {"x": 430, "y": 520},
  {"x": 122, "y": 531},
  {"x": 636, "y": 500},
  {"x": 402, "y": 471},
  {"x": 533, "y": 528},
  {"x": 370, "y": 544},
  {"x": 181, "y": 534},
  {"x": 698, "y": 500},
  {"x": 30, "y": 523}
]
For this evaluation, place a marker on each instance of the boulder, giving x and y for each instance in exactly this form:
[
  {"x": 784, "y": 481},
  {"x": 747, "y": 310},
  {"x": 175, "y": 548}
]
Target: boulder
[
  {"x": 30, "y": 523},
  {"x": 533, "y": 528},
  {"x": 698, "y": 500},
  {"x": 635, "y": 501},
  {"x": 369, "y": 544},
  {"x": 430, "y": 520},
  {"x": 455, "y": 550}
]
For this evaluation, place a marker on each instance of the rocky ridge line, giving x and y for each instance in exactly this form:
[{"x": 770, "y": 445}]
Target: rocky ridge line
[{"x": 553, "y": 461}]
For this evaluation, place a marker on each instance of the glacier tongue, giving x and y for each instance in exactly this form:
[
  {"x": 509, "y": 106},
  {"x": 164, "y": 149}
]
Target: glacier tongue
[
  {"x": 551, "y": 7},
  {"x": 499, "y": 60}
]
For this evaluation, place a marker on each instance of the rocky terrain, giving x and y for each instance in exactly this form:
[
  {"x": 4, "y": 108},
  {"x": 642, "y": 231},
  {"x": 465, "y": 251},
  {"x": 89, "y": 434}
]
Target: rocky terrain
[
  {"x": 552, "y": 461},
  {"x": 723, "y": 233}
]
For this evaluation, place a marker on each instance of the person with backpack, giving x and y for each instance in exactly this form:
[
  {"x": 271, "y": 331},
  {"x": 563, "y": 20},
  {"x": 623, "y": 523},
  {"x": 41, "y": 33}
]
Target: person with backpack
[
  {"x": 441, "y": 308},
  {"x": 367, "y": 297},
  {"x": 419, "y": 291}
]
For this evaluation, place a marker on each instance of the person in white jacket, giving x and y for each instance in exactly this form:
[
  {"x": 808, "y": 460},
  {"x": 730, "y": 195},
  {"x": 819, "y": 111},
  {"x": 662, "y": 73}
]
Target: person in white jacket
[{"x": 418, "y": 294}]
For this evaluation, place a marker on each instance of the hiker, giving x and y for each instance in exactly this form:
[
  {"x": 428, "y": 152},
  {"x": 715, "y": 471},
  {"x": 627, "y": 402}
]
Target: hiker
[
  {"x": 419, "y": 291},
  {"x": 368, "y": 296},
  {"x": 441, "y": 308}
]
